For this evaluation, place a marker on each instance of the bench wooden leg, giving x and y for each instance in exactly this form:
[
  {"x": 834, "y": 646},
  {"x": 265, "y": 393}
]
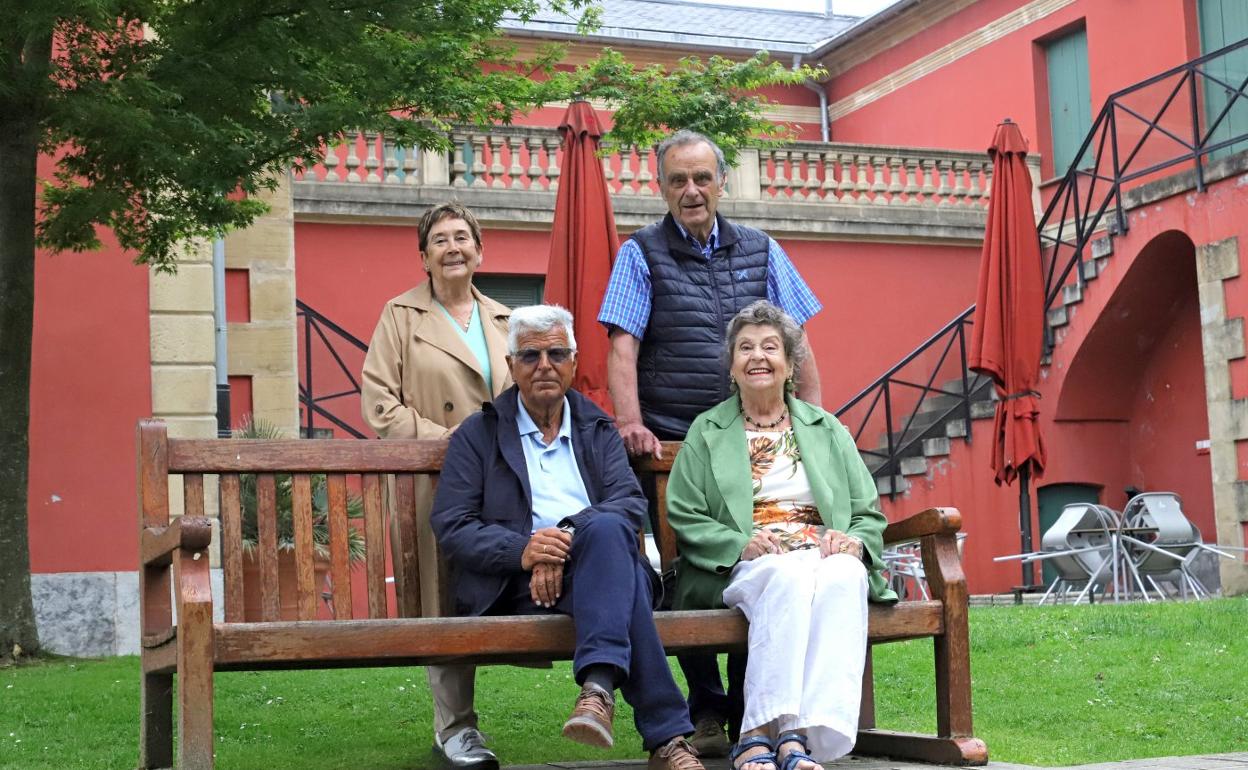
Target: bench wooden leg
[
  {"x": 156, "y": 722},
  {"x": 922, "y": 748},
  {"x": 195, "y": 656},
  {"x": 866, "y": 707}
]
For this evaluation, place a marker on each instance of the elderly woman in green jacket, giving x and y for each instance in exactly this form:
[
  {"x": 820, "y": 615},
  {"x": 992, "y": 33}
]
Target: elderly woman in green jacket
[{"x": 776, "y": 515}]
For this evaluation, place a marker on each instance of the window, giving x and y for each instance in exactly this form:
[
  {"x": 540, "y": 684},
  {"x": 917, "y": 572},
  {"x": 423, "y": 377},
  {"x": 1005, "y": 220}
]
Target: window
[
  {"x": 511, "y": 290},
  {"x": 1222, "y": 23},
  {"x": 1070, "y": 100}
]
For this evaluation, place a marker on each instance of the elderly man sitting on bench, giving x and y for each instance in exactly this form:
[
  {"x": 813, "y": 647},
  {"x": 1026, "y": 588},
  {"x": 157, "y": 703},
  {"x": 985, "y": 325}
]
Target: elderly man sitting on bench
[{"x": 538, "y": 511}]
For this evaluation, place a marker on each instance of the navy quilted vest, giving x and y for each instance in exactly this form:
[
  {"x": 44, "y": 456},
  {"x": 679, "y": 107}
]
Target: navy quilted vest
[{"x": 681, "y": 369}]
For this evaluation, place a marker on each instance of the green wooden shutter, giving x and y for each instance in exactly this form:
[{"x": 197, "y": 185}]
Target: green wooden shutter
[
  {"x": 511, "y": 290},
  {"x": 1223, "y": 22},
  {"x": 1070, "y": 100}
]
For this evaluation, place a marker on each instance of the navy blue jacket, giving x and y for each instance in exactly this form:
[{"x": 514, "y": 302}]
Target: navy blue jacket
[{"x": 483, "y": 510}]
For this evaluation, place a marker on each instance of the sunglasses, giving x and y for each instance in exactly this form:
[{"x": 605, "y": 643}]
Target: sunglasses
[{"x": 530, "y": 356}]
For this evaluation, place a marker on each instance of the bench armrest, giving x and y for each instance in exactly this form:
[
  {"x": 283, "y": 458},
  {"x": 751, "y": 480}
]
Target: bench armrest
[
  {"x": 188, "y": 533},
  {"x": 933, "y": 521}
]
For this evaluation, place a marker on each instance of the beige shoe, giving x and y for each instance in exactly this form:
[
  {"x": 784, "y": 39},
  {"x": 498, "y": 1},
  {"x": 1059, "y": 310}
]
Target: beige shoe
[
  {"x": 709, "y": 738},
  {"x": 591, "y": 718},
  {"x": 676, "y": 754}
]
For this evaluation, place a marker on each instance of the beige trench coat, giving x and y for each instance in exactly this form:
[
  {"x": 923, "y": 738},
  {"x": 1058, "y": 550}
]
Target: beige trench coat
[{"x": 420, "y": 380}]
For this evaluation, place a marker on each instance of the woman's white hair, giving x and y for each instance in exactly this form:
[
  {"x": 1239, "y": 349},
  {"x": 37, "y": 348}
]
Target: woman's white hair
[{"x": 538, "y": 319}]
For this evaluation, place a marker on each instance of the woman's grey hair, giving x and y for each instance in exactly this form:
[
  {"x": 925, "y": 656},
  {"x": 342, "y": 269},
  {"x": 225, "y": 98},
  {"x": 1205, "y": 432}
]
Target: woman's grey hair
[
  {"x": 538, "y": 319},
  {"x": 763, "y": 313},
  {"x": 684, "y": 137}
]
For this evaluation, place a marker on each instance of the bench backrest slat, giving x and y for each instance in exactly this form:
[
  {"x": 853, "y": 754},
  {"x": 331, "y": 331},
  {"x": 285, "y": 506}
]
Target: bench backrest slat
[
  {"x": 374, "y": 535},
  {"x": 305, "y": 568},
  {"x": 266, "y": 544},
  {"x": 339, "y": 557},
  {"x": 232, "y": 546}
]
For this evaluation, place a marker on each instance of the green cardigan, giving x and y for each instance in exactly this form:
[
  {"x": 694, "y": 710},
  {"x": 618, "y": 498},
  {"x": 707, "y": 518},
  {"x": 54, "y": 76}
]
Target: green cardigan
[{"x": 710, "y": 497}]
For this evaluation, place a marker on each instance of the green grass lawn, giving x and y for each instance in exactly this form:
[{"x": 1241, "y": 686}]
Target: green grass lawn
[{"x": 1053, "y": 686}]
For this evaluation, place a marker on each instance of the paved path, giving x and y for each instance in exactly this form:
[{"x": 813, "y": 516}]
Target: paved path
[{"x": 1238, "y": 761}]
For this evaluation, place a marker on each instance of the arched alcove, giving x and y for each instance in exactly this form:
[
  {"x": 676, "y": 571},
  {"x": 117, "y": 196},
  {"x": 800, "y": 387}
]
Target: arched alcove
[{"x": 1141, "y": 366}]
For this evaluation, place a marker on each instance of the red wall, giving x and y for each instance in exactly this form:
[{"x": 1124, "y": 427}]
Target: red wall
[
  {"x": 348, "y": 272},
  {"x": 90, "y": 384},
  {"x": 958, "y": 105}
]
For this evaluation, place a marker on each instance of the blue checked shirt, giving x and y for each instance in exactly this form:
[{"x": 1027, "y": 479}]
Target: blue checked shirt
[{"x": 626, "y": 303}]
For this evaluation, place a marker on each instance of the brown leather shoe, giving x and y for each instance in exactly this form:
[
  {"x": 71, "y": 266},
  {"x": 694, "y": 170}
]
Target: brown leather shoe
[
  {"x": 591, "y": 718},
  {"x": 709, "y": 738},
  {"x": 676, "y": 754}
]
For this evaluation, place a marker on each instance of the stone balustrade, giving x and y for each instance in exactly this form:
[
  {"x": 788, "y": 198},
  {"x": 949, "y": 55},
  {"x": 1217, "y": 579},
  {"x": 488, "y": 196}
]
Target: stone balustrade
[
  {"x": 510, "y": 175},
  {"x": 529, "y": 158}
]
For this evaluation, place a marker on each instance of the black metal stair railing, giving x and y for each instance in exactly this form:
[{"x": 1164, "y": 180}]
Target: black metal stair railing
[
  {"x": 1182, "y": 116},
  {"x": 337, "y": 344}
]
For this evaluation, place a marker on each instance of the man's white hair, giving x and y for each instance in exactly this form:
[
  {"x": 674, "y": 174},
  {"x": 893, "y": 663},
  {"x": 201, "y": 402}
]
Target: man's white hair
[{"x": 538, "y": 319}]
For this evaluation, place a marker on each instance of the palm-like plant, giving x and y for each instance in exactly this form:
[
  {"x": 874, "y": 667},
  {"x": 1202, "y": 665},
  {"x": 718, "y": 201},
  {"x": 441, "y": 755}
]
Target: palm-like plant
[{"x": 260, "y": 429}]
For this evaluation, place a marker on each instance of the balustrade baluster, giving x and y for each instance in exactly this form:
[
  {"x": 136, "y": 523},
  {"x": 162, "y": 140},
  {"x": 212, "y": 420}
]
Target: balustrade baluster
[
  {"x": 552, "y": 161},
  {"x": 459, "y": 169},
  {"x": 478, "y": 161},
  {"x": 959, "y": 184},
  {"x": 764, "y": 176},
  {"x": 912, "y": 181},
  {"x": 514, "y": 169},
  {"x": 812, "y": 176},
  {"x": 846, "y": 186},
  {"x": 390, "y": 163},
  {"x": 411, "y": 174},
  {"x": 496, "y": 162},
  {"x": 371, "y": 162},
  {"x": 895, "y": 181},
  {"x": 626, "y": 172},
  {"x": 878, "y": 186},
  {"x": 797, "y": 185},
  {"x": 781, "y": 180},
  {"x": 862, "y": 187},
  {"x": 353, "y": 160},
  {"x": 829, "y": 177},
  {"x": 331, "y": 163},
  {"x": 929, "y": 181},
  {"x": 987, "y": 183},
  {"x": 644, "y": 177},
  {"x": 975, "y": 193},
  {"x": 537, "y": 176},
  {"x": 944, "y": 168}
]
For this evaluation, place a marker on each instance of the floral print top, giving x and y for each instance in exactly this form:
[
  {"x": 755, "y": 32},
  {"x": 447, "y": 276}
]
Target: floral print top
[{"x": 783, "y": 502}]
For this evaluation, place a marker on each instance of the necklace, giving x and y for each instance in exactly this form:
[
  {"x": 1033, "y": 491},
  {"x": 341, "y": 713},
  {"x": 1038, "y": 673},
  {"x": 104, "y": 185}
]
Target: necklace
[
  {"x": 783, "y": 414},
  {"x": 464, "y": 324}
]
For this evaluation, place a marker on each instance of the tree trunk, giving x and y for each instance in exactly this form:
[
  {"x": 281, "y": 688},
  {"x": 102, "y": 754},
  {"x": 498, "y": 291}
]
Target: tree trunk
[{"x": 19, "y": 153}]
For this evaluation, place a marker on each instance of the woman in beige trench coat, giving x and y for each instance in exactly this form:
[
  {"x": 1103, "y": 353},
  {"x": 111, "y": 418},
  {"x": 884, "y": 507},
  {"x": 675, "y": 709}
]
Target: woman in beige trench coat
[{"x": 422, "y": 376}]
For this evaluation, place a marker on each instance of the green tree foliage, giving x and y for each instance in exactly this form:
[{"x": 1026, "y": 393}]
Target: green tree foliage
[{"x": 718, "y": 97}]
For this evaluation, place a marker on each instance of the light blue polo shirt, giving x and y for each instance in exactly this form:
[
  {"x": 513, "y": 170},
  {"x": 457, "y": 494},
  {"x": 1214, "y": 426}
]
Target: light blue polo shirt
[{"x": 554, "y": 476}]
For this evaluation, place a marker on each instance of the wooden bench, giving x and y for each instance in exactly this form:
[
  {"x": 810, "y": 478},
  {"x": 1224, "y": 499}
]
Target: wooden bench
[{"x": 174, "y": 574}]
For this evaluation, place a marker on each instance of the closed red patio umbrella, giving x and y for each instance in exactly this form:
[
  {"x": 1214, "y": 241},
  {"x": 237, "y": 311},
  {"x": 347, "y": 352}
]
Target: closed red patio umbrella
[
  {"x": 1008, "y": 335},
  {"x": 583, "y": 243}
]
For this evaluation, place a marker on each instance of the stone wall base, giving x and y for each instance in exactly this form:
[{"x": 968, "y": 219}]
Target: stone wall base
[{"x": 94, "y": 614}]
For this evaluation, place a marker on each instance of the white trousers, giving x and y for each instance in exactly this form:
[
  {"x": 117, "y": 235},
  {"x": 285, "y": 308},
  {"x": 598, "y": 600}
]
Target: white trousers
[{"x": 807, "y": 645}]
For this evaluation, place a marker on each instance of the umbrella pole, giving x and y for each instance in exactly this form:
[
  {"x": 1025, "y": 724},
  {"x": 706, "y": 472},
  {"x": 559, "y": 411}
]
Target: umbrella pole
[{"x": 1024, "y": 521}]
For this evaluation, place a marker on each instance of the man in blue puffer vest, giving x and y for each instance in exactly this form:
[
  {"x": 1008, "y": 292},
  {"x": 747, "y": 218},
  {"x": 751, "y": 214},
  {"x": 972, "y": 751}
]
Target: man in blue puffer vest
[{"x": 674, "y": 286}]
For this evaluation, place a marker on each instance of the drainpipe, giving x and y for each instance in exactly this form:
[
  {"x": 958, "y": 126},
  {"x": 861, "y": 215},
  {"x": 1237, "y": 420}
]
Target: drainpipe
[
  {"x": 824, "y": 130},
  {"x": 218, "y": 314}
]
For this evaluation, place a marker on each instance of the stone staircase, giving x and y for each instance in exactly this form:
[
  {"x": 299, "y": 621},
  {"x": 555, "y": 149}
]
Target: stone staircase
[{"x": 938, "y": 422}]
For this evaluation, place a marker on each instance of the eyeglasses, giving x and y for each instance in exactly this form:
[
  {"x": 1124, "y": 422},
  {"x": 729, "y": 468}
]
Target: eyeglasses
[{"x": 530, "y": 356}]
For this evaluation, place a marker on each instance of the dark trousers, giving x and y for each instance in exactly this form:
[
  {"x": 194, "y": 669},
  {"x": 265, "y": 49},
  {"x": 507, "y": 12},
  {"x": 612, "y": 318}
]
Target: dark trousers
[
  {"x": 707, "y": 698},
  {"x": 607, "y": 593}
]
